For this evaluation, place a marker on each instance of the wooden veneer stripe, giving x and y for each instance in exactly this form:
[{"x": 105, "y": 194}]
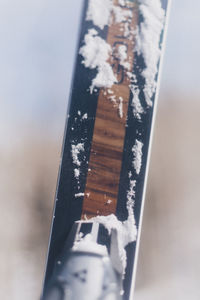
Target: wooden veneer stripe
[{"x": 105, "y": 161}]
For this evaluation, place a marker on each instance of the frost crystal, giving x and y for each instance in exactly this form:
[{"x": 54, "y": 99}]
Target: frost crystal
[
  {"x": 137, "y": 154},
  {"x": 76, "y": 173},
  {"x": 136, "y": 104},
  {"x": 79, "y": 195},
  {"x": 131, "y": 196},
  {"x": 76, "y": 149},
  {"x": 85, "y": 116},
  {"x": 120, "y": 107}
]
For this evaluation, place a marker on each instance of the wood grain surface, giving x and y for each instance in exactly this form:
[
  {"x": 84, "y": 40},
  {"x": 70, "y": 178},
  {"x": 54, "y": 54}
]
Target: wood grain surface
[{"x": 109, "y": 131}]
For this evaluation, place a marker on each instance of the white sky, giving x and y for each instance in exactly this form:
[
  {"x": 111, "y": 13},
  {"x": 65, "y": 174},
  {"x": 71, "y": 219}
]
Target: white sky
[
  {"x": 37, "y": 47},
  {"x": 181, "y": 63}
]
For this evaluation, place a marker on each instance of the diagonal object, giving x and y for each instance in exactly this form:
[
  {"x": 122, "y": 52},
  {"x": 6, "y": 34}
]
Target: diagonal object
[{"x": 106, "y": 150}]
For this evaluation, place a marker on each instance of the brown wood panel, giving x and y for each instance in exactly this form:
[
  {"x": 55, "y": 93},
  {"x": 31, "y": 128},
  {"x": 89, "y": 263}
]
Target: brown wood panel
[{"x": 109, "y": 131}]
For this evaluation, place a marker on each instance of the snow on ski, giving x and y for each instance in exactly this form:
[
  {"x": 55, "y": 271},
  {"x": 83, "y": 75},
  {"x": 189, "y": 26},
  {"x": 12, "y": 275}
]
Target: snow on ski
[{"x": 101, "y": 186}]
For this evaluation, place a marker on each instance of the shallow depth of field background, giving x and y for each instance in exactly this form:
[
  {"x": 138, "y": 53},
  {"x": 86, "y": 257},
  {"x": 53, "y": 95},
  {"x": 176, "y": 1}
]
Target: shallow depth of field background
[{"x": 37, "y": 48}]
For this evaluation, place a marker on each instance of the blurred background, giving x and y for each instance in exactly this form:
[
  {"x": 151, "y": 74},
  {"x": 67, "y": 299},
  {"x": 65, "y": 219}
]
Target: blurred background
[{"x": 37, "y": 49}]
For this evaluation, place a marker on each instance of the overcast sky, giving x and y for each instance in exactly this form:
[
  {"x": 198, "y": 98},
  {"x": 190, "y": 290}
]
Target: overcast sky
[{"x": 37, "y": 47}]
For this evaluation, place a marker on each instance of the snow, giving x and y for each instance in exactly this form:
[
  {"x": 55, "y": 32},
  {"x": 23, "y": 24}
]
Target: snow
[
  {"x": 113, "y": 99},
  {"x": 76, "y": 173},
  {"x": 137, "y": 156},
  {"x": 147, "y": 42},
  {"x": 99, "y": 12},
  {"x": 131, "y": 195},
  {"x": 75, "y": 151},
  {"x": 105, "y": 77},
  {"x": 121, "y": 15},
  {"x": 87, "y": 244},
  {"x": 136, "y": 104},
  {"x": 126, "y": 233},
  {"x": 117, "y": 103},
  {"x": 121, "y": 2},
  {"x": 121, "y": 107},
  {"x": 85, "y": 116},
  {"x": 96, "y": 52},
  {"x": 79, "y": 195},
  {"x": 110, "y": 92},
  {"x": 108, "y": 201},
  {"x": 122, "y": 55}
]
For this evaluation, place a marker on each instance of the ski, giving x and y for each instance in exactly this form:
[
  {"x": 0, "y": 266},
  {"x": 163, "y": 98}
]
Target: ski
[{"x": 96, "y": 224}]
